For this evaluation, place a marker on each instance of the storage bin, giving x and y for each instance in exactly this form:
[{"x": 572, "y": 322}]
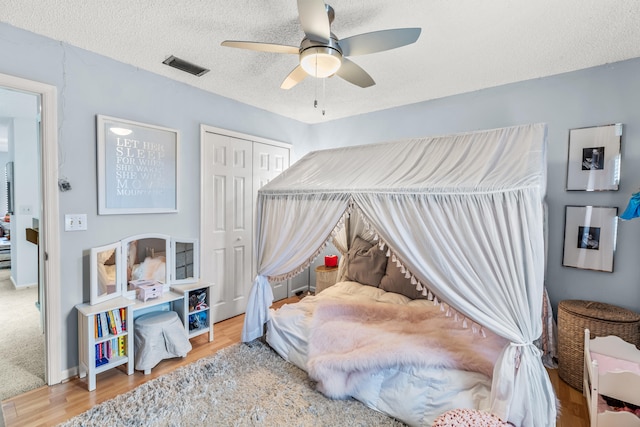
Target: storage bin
[{"x": 574, "y": 316}]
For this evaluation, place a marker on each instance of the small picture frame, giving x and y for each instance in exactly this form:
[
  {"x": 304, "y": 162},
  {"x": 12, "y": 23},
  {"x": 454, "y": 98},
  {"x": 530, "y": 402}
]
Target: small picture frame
[
  {"x": 594, "y": 158},
  {"x": 590, "y": 237},
  {"x": 137, "y": 167}
]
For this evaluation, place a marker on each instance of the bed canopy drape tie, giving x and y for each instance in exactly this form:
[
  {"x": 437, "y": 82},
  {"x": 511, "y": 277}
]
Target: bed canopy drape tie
[
  {"x": 463, "y": 213},
  {"x": 306, "y": 223}
]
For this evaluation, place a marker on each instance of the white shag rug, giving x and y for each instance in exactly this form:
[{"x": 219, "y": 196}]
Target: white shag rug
[{"x": 242, "y": 385}]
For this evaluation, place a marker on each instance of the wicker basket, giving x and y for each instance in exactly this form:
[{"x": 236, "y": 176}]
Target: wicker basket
[
  {"x": 325, "y": 277},
  {"x": 574, "y": 316}
]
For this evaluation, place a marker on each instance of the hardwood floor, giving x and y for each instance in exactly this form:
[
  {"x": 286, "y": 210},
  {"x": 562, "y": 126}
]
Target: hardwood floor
[{"x": 49, "y": 406}]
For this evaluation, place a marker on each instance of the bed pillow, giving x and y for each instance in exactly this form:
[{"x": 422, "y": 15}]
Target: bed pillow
[
  {"x": 366, "y": 263},
  {"x": 394, "y": 281}
]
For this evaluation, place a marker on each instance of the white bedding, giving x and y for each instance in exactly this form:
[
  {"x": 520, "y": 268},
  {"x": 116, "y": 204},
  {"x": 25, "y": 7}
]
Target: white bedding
[{"x": 414, "y": 394}]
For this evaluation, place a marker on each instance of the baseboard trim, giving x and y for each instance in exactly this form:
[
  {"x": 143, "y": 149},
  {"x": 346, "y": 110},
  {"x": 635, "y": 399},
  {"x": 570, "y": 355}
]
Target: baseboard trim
[{"x": 70, "y": 373}]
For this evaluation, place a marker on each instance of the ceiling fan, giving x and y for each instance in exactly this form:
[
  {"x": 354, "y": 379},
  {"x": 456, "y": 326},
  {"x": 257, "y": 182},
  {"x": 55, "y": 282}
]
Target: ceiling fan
[{"x": 322, "y": 54}]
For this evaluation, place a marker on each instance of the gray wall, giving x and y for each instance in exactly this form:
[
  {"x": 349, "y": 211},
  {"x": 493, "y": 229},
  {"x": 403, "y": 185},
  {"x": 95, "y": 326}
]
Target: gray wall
[
  {"x": 23, "y": 149},
  {"x": 90, "y": 84}
]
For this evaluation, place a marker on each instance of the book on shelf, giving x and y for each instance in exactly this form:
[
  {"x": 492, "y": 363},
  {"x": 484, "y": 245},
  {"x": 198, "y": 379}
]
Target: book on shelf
[
  {"x": 121, "y": 346},
  {"x": 112, "y": 323},
  {"x": 107, "y": 350},
  {"x": 117, "y": 321},
  {"x": 101, "y": 351},
  {"x": 97, "y": 326},
  {"x": 103, "y": 324},
  {"x": 108, "y": 322},
  {"x": 123, "y": 318}
]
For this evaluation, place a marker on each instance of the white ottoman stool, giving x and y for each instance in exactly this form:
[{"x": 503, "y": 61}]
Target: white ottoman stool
[{"x": 159, "y": 335}]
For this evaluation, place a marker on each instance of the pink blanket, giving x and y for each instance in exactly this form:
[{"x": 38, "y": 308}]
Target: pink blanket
[
  {"x": 614, "y": 364},
  {"x": 350, "y": 341}
]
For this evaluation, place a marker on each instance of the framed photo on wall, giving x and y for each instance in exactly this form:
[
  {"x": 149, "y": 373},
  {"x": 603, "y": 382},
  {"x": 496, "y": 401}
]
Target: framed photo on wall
[
  {"x": 590, "y": 237},
  {"x": 137, "y": 167},
  {"x": 594, "y": 158}
]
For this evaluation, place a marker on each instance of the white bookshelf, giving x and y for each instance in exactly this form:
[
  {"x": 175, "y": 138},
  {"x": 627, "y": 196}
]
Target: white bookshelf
[{"x": 88, "y": 338}]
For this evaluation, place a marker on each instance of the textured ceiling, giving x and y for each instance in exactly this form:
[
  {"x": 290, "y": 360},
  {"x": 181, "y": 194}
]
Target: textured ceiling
[{"x": 465, "y": 45}]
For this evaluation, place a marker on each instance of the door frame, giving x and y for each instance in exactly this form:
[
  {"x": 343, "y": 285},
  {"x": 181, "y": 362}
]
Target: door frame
[{"x": 49, "y": 233}]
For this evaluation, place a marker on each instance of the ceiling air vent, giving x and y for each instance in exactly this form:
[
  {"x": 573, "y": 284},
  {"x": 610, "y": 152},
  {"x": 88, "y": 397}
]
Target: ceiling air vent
[{"x": 185, "y": 66}]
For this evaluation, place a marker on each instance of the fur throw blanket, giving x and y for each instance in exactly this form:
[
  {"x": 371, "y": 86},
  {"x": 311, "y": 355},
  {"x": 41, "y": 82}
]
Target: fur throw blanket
[
  {"x": 350, "y": 341},
  {"x": 150, "y": 269}
]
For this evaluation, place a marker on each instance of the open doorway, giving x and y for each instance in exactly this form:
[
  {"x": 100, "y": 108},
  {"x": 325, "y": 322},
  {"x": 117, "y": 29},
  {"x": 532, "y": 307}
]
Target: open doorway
[
  {"x": 48, "y": 236},
  {"x": 22, "y": 367}
]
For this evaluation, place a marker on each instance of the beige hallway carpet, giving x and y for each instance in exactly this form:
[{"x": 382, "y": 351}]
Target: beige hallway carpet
[{"x": 21, "y": 341}]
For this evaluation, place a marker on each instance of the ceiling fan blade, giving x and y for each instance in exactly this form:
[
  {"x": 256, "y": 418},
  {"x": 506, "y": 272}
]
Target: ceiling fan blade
[
  {"x": 354, "y": 74},
  {"x": 294, "y": 77},
  {"x": 378, "y": 41},
  {"x": 314, "y": 20},
  {"x": 262, "y": 47}
]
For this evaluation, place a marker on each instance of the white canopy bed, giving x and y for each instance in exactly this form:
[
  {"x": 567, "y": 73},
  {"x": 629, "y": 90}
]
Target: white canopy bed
[{"x": 460, "y": 215}]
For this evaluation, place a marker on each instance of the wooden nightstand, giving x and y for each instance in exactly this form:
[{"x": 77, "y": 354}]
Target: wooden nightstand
[{"x": 325, "y": 277}]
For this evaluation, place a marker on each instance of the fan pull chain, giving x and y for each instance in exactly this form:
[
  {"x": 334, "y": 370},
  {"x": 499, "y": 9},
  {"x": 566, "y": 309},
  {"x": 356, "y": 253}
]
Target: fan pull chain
[
  {"x": 315, "y": 87},
  {"x": 324, "y": 98}
]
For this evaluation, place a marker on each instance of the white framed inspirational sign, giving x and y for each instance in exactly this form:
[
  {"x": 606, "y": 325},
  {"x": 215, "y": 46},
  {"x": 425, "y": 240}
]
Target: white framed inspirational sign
[{"x": 137, "y": 167}]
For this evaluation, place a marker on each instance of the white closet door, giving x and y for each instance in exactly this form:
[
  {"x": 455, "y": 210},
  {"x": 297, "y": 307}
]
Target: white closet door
[
  {"x": 268, "y": 162},
  {"x": 227, "y": 222}
]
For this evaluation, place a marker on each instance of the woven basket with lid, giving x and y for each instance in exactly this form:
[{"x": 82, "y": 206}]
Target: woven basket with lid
[{"x": 574, "y": 316}]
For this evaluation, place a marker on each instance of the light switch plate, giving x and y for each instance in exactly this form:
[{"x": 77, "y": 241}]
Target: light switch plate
[
  {"x": 75, "y": 222},
  {"x": 25, "y": 210}
]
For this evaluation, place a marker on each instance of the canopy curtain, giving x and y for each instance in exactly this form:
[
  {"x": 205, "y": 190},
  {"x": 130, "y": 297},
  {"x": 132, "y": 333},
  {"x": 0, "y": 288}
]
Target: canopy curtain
[
  {"x": 341, "y": 244},
  {"x": 483, "y": 255},
  {"x": 291, "y": 230},
  {"x": 463, "y": 213}
]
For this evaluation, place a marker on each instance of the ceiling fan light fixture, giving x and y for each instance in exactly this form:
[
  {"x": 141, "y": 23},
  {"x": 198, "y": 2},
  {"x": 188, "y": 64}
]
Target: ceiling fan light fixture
[
  {"x": 322, "y": 54},
  {"x": 320, "y": 61}
]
